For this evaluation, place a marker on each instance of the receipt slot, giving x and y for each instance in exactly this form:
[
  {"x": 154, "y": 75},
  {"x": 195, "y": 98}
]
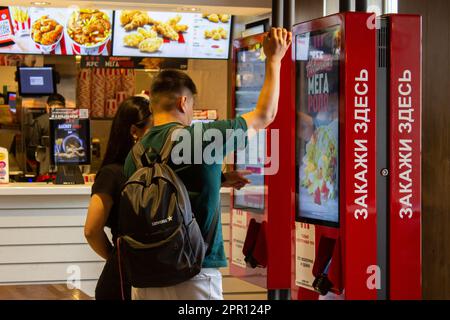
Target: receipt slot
[{"x": 261, "y": 212}]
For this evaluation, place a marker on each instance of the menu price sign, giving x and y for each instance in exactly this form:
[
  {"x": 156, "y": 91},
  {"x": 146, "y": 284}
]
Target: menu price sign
[
  {"x": 238, "y": 235},
  {"x": 171, "y": 34},
  {"x": 305, "y": 254},
  {"x": 59, "y": 31}
]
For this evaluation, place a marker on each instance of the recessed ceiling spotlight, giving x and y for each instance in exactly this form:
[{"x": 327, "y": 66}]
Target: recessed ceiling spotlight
[
  {"x": 189, "y": 9},
  {"x": 40, "y": 3}
]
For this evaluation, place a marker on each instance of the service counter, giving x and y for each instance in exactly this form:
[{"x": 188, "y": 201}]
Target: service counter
[{"x": 42, "y": 239}]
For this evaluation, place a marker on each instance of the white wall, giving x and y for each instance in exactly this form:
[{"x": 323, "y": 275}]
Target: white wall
[{"x": 211, "y": 79}]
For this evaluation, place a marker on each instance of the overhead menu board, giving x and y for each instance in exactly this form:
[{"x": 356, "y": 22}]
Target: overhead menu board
[
  {"x": 60, "y": 31},
  {"x": 171, "y": 34}
]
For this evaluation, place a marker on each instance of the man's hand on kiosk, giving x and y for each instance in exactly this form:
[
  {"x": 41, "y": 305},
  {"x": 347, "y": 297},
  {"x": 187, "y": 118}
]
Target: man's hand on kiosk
[
  {"x": 276, "y": 43},
  {"x": 236, "y": 179}
]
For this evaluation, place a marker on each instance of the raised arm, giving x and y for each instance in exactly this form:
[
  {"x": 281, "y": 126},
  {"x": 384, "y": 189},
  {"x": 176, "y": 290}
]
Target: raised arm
[{"x": 276, "y": 44}]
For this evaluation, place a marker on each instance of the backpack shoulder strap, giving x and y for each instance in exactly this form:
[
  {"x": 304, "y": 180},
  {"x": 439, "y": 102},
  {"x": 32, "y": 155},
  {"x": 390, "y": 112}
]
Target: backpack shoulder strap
[
  {"x": 167, "y": 147},
  {"x": 137, "y": 153}
]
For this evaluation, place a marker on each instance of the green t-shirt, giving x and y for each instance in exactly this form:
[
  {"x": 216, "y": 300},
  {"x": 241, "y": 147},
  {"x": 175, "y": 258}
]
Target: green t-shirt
[{"x": 201, "y": 175}]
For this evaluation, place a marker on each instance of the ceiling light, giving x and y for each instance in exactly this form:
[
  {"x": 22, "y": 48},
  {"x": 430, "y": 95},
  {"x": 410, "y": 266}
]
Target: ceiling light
[
  {"x": 40, "y": 3},
  {"x": 189, "y": 9}
]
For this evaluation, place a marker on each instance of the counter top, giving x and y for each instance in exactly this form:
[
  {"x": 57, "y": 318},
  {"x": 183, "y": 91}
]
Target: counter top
[{"x": 35, "y": 189}]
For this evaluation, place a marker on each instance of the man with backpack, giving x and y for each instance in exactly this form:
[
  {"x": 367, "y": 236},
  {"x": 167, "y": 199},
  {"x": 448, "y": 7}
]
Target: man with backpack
[{"x": 172, "y": 238}]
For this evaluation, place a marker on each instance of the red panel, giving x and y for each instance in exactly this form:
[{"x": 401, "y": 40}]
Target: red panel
[
  {"x": 281, "y": 186},
  {"x": 357, "y": 235},
  {"x": 359, "y": 156},
  {"x": 405, "y": 257}
]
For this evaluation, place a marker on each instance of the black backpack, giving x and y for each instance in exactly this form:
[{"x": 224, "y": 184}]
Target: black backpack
[{"x": 160, "y": 243}]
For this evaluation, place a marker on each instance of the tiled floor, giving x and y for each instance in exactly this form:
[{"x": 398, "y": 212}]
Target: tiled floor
[{"x": 41, "y": 292}]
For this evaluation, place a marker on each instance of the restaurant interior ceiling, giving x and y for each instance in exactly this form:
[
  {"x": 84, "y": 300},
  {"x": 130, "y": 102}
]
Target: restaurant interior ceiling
[{"x": 234, "y": 7}]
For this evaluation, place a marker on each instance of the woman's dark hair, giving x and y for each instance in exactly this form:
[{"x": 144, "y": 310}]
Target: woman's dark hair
[{"x": 132, "y": 111}]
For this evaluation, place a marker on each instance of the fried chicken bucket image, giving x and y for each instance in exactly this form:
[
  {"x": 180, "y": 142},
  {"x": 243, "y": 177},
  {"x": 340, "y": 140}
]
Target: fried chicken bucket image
[
  {"x": 46, "y": 33},
  {"x": 89, "y": 30}
]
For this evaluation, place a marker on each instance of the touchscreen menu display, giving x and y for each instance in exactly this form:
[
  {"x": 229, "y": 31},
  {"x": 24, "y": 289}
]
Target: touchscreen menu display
[
  {"x": 249, "y": 82},
  {"x": 317, "y": 144}
]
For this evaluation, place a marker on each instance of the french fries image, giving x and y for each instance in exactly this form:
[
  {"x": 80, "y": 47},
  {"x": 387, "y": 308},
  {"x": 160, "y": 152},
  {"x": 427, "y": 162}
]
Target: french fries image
[{"x": 20, "y": 15}]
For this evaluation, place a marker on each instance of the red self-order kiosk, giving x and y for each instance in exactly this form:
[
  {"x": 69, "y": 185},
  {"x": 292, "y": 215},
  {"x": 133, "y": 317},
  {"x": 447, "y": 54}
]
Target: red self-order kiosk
[
  {"x": 261, "y": 212},
  {"x": 335, "y": 233},
  {"x": 357, "y": 233}
]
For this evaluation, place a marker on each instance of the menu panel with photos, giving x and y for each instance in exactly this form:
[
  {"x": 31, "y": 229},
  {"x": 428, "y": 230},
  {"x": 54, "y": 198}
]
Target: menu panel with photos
[
  {"x": 317, "y": 146},
  {"x": 249, "y": 81},
  {"x": 171, "y": 34},
  {"x": 70, "y": 136},
  {"x": 60, "y": 31}
]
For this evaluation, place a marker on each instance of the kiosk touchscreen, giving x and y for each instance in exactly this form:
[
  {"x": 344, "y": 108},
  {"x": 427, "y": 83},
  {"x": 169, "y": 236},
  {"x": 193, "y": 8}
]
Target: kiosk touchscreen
[
  {"x": 261, "y": 212},
  {"x": 249, "y": 81},
  {"x": 317, "y": 145},
  {"x": 70, "y": 143}
]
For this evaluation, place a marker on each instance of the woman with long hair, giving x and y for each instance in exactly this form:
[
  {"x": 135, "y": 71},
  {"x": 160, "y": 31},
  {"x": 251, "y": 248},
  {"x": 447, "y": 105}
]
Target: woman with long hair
[{"x": 132, "y": 120}]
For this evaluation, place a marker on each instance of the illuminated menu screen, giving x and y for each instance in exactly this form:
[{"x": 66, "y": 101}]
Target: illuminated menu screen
[
  {"x": 60, "y": 31},
  {"x": 171, "y": 34},
  {"x": 70, "y": 136},
  {"x": 249, "y": 81},
  {"x": 317, "y": 144}
]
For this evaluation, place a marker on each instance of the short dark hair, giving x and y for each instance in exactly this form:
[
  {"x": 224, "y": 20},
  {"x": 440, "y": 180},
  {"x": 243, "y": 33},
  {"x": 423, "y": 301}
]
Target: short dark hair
[
  {"x": 169, "y": 83},
  {"x": 56, "y": 99}
]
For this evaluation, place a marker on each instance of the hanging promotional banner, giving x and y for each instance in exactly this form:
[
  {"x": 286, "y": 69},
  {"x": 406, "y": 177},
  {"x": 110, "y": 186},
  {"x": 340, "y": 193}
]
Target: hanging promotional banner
[
  {"x": 21, "y": 60},
  {"x": 133, "y": 63},
  {"x": 57, "y": 31}
]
